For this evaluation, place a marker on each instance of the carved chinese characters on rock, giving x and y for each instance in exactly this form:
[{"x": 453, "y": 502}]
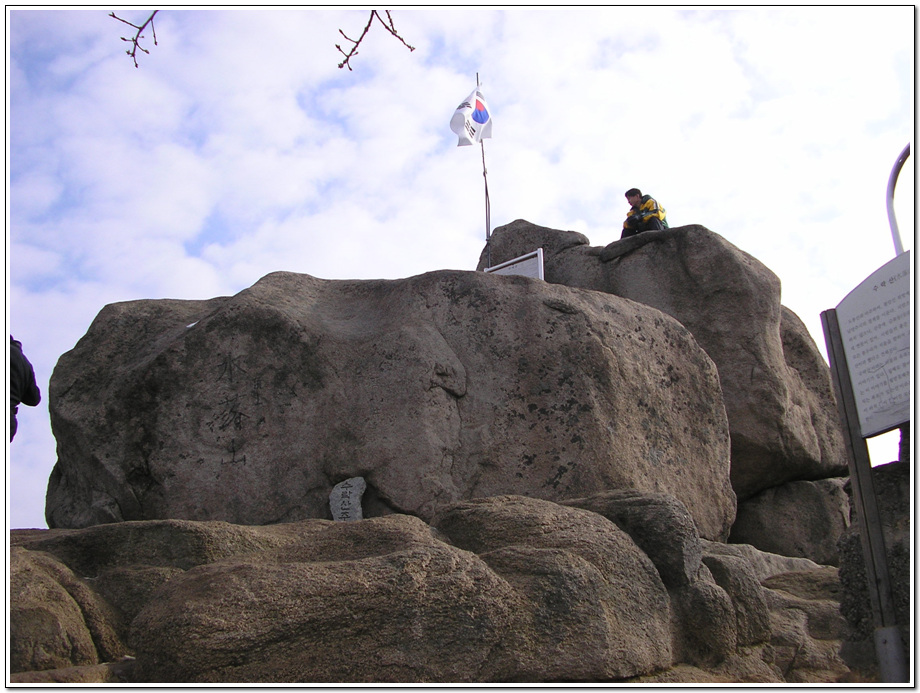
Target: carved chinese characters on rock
[{"x": 236, "y": 409}]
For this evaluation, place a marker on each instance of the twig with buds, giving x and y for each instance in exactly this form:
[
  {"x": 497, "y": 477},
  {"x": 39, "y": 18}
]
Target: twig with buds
[
  {"x": 135, "y": 41},
  {"x": 388, "y": 25}
]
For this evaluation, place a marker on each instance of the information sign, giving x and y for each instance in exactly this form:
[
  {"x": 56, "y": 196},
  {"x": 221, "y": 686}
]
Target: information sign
[
  {"x": 874, "y": 323},
  {"x": 529, "y": 265}
]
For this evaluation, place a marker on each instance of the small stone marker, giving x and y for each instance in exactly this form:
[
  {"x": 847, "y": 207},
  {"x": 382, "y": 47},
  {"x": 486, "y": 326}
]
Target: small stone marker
[{"x": 345, "y": 499}]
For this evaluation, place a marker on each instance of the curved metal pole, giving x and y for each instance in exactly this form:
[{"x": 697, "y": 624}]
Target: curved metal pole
[{"x": 892, "y": 180}]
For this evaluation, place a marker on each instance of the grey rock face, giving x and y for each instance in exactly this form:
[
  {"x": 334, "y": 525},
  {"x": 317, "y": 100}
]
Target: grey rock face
[
  {"x": 434, "y": 389},
  {"x": 602, "y": 609},
  {"x": 807, "y": 626},
  {"x": 502, "y": 589},
  {"x": 776, "y": 384},
  {"x": 800, "y": 518},
  {"x": 56, "y": 620},
  {"x": 659, "y": 524},
  {"x": 737, "y": 578},
  {"x": 764, "y": 564}
]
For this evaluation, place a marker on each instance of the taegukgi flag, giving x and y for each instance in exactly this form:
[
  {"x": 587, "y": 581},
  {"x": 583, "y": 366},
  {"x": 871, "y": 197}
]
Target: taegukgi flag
[{"x": 472, "y": 121}]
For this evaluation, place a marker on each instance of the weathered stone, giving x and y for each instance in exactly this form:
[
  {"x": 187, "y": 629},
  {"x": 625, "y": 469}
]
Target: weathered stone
[
  {"x": 704, "y": 625},
  {"x": 56, "y": 620},
  {"x": 162, "y": 543},
  {"x": 815, "y": 592},
  {"x": 608, "y": 619},
  {"x": 345, "y": 500},
  {"x": 736, "y": 576},
  {"x": 776, "y": 384},
  {"x": 799, "y": 518},
  {"x": 763, "y": 563},
  {"x": 749, "y": 667},
  {"x": 109, "y": 672},
  {"x": 807, "y": 628},
  {"x": 374, "y": 601},
  {"x": 554, "y": 594},
  {"x": 659, "y": 524},
  {"x": 436, "y": 388}
]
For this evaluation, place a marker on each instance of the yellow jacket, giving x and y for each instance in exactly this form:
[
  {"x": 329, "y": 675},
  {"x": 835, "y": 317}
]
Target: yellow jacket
[{"x": 648, "y": 207}]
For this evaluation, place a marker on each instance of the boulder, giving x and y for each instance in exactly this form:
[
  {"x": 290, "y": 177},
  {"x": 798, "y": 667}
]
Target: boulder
[
  {"x": 777, "y": 386},
  {"x": 506, "y": 589},
  {"x": 735, "y": 575},
  {"x": 704, "y": 629},
  {"x": 763, "y": 563},
  {"x": 436, "y": 388},
  {"x": 119, "y": 672},
  {"x": 379, "y": 600},
  {"x": 659, "y": 524},
  {"x": 800, "y": 518},
  {"x": 806, "y": 625},
  {"x": 56, "y": 620},
  {"x": 547, "y": 593},
  {"x": 601, "y": 612}
]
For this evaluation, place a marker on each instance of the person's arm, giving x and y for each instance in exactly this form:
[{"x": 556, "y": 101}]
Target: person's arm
[
  {"x": 32, "y": 396},
  {"x": 651, "y": 208}
]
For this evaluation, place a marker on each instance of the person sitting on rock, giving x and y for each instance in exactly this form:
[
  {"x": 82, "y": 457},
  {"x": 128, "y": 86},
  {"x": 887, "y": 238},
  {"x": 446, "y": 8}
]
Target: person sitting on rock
[
  {"x": 23, "y": 389},
  {"x": 644, "y": 214}
]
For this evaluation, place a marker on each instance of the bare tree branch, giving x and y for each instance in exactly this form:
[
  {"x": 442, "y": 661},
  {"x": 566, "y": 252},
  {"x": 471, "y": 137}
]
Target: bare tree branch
[
  {"x": 388, "y": 25},
  {"x": 135, "y": 41}
]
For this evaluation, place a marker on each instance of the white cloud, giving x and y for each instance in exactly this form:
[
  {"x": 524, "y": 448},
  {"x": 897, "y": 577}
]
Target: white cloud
[{"x": 238, "y": 148}]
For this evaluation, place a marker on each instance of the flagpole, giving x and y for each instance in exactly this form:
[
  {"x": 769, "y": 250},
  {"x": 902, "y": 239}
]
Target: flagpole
[
  {"x": 488, "y": 224},
  {"x": 485, "y": 179}
]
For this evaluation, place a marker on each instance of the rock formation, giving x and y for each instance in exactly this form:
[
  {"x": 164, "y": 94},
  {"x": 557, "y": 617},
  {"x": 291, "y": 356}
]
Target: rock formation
[
  {"x": 776, "y": 385},
  {"x": 499, "y": 589},
  {"x": 799, "y": 518},
  {"x": 441, "y": 387},
  {"x": 547, "y": 472}
]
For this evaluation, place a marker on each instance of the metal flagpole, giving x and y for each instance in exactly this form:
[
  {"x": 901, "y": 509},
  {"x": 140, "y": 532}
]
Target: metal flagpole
[
  {"x": 485, "y": 178},
  {"x": 488, "y": 224}
]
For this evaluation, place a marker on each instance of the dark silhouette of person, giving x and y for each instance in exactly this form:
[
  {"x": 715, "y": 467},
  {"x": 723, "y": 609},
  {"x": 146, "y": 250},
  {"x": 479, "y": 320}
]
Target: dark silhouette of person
[{"x": 23, "y": 388}]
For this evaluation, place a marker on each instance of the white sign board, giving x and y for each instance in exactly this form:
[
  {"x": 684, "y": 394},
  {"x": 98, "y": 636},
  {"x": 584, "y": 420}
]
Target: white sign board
[
  {"x": 874, "y": 323},
  {"x": 530, "y": 265}
]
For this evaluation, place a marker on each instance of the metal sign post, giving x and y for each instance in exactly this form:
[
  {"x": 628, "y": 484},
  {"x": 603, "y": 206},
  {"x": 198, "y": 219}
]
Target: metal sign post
[{"x": 888, "y": 648}]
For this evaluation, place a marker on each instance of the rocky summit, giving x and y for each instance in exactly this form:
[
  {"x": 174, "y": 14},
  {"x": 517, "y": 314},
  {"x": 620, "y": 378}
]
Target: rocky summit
[
  {"x": 436, "y": 388},
  {"x": 632, "y": 471}
]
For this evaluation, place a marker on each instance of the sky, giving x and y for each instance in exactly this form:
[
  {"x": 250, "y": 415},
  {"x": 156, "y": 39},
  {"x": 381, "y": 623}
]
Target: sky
[{"x": 238, "y": 147}]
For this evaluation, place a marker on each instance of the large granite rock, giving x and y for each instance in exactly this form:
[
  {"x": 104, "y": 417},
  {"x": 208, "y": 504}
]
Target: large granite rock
[
  {"x": 807, "y": 627},
  {"x": 502, "y": 589},
  {"x": 56, "y": 619},
  {"x": 777, "y": 386},
  {"x": 437, "y": 388},
  {"x": 800, "y": 518},
  {"x": 659, "y": 524},
  {"x": 600, "y": 610}
]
